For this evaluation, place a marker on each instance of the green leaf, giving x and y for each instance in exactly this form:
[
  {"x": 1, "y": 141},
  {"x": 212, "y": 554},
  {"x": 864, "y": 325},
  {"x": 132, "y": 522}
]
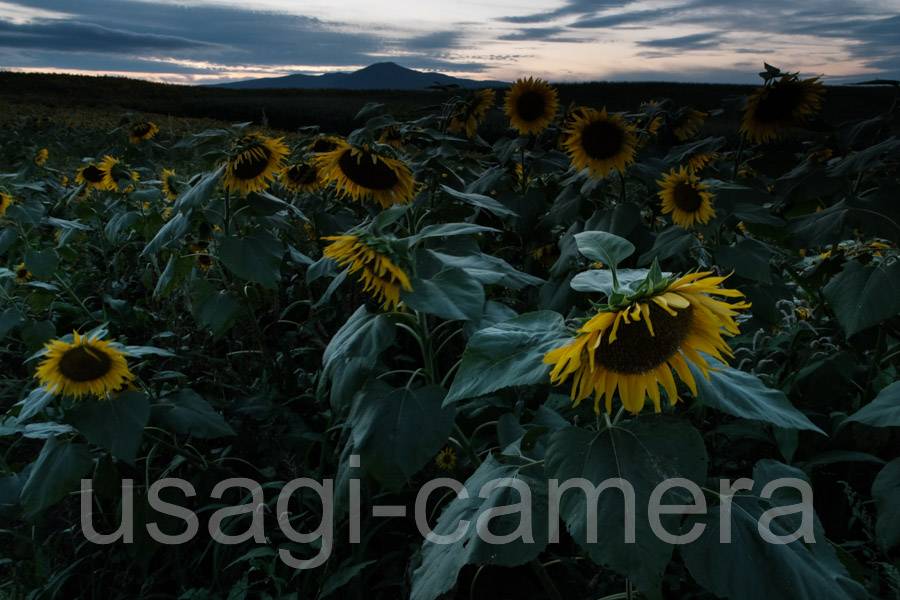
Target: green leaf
[
  {"x": 748, "y": 258},
  {"x": 256, "y": 257},
  {"x": 9, "y": 319},
  {"x": 58, "y": 470},
  {"x": 42, "y": 264},
  {"x": 605, "y": 247},
  {"x": 601, "y": 280},
  {"x": 198, "y": 193},
  {"x": 441, "y": 563},
  {"x": 216, "y": 310},
  {"x": 671, "y": 241},
  {"x": 452, "y": 294},
  {"x": 508, "y": 354},
  {"x": 174, "y": 273},
  {"x": 8, "y": 237},
  {"x": 643, "y": 452},
  {"x": 886, "y": 494},
  {"x": 446, "y": 230},
  {"x": 808, "y": 571},
  {"x": 120, "y": 222},
  {"x": 347, "y": 573},
  {"x": 34, "y": 403},
  {"x": 744, "y": 395},
  {"x": 487, "y": 269},
  {"x": 883, "y": 411},
  {"x": 864, "y": 296},
  {"x": 398, "y": 431},
  {"x": 187, "y": 413},
  {"x": 115, "y": 424},
  {"x": 175, "y": 229},
  {"x": 480, "y": 201},
  {"x": 353, "y": 351},
  {"x": 36, "y": 334}
]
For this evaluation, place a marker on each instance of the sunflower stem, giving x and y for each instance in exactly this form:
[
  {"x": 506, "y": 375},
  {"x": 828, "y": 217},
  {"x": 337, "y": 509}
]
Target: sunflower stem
[
  {"x": 618, "y": 416},
  {"x": 737, "y": 159},
  {"x": 545, "y": 580},
  {"x": 75, "y": 296},
  {"x": 467, "y": 441},
  {"x": 425, "y": 344},
  {"x": 622, "y": 191}
]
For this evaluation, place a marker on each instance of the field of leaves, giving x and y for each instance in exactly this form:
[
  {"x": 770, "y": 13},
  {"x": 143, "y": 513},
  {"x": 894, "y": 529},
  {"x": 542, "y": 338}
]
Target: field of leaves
[{"x": 645, "y": 296}]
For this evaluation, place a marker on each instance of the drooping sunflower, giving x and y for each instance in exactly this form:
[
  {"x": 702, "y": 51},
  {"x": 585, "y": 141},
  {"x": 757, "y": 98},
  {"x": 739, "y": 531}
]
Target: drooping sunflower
[
  {"x": 688, "y": 123},
  {"x": 471, "y": 112},
  {"x": 371, "y": 255},
  {"x": 255, "y": 162},
  {"x": 301, "y": 177},
  {"x": 91, "y": 176},
  {"x": 22, "y": 274},
  {"x": 142, "y": 131},
  {"x": 446, "y": 459},
  {"x": 696, "y": 162},
  {"x": 115, "y": 172},
  {"x": 325, "y": 143},
  {"x": 171, "y": 187},
  {"x": 83, "y": 366},
  {"x": 685, "y": 197},
  {"x": 775, "y": 107},
  {"x": 5, "y": 202},
  {"x": 365, "y": 175},
  {"x": 391, "y": 136},
  {"x": 600, "y": 142},
  {"x": 530, "y": 105},
  {"x": 634, "y": 346},
  {"x": 41, "y": 157}
]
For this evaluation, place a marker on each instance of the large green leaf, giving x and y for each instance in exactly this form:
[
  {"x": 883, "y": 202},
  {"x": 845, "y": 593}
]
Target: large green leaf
[
  {"x": 604, "y": 247},
  {"x": 748, "y": 258},
  {"x": 801, "y": 569},
  {"x": 883, "y": 411},
  {"x": 507, "y": 354},
  {"x": 441, "y": 563},
  {"x": 42, "y": 264},
  {"x": 353, "y": 351},
  {"x": 886, "y": 494},
  {"x": 200, "y": 192},
  {"x": 671, "y": 241},
  {"x": 175, "y": 229},
  {"x": 743, "y": 395},
  {"x": 58, "y": 470},
  {"x": 255, "y": 257},
  {"x": 601, "y": 280},
  {"x": 397, "y": 431},
  {"x": 480, "y": 201},
  {"x": 187, "y": 413},
  {"x": 862, "y": 296},
  {"x": 642, "y": 453},
  {"x": 176, "y": 270},
  {"x": 9, "y": 319},
  {"x": 217, "y": 310},
  {"x": 115, "y": 424},
  {"x": 451, "y": 294}
]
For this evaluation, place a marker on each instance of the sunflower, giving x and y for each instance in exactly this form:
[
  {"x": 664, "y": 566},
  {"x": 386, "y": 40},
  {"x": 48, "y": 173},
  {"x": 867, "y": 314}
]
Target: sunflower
[
  {"x": 785, "y": 103},
  {"x": 91, "y": 176},
  {"x": 84, "y": 366},
  {"x": 383, "y": 278},
  {"x": 635, "y": 345},
  {"x": 114, "y": 172},
  {"x": 365, "y": 175},
  {"x": 325, "y": 143},
  {"x": 22, "y": 274},
  {"x": 600, "y": 142},
  {"x": 171, "y": 187},
  {"x": 301, "y": 177},
  {"x": 391, "y": 136},
  {"x": 446, "y": 459},
  {"x": 696, "y": 162},
  {"x": 688, "y": 124},
  {"x": 5, "y": 202},
  {"x": 142, "y": 131},
  {"x": 683, "y": 195},
  {"x": 530, "y": 105},
  {"x": 41, "y": 157},
  {"x": 257, "y": 159},
  {"x": 470, "y": 113}
]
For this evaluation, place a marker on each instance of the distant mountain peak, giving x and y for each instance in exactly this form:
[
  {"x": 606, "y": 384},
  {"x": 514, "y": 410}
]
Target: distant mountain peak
[{"x": 381, "y": 76}]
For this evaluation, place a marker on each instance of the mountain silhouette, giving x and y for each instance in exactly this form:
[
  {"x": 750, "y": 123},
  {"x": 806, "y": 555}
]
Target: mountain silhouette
[{"x": 380, "y": 76}]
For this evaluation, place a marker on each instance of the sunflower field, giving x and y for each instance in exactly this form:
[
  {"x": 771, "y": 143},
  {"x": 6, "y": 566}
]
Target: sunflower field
[{"x": 610, "y": 355}]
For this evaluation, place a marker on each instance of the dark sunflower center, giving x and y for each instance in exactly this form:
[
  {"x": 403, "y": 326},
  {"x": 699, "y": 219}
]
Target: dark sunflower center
[
  {"x": 93, "y": 174},
  {"x": 252, "y": 162},
  {"x": 83, "y": 363},
  {"x": 686, "y": 197},
  {"x": 323, "y": 146},
  {"x": 22, "y": 273},
  {"x": 779, "y": 103},
  {"x": 602, "y": 139},
  {"x": 635, "y": 351},
  {"x": 141, "y": 129},
  {"x": 530, "y": 106},
  {"x": 362, "y": 171},
  {"x": 302, "y": 174},
  {"x": 447, "y": 459}
]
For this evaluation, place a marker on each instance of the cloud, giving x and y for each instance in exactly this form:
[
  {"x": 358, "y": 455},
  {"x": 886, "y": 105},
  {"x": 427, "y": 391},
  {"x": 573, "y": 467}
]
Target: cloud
[
  {"x": 536, "y": 33},
  {"x": 433, "y": 41},
  {"x": 570, "y": 8},
  {"x": 696, "y": 41},
  {"x": 637, "y": 18}
]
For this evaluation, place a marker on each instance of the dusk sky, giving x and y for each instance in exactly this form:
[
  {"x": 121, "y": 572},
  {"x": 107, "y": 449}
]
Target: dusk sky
[{"x": 213, "y": 41}]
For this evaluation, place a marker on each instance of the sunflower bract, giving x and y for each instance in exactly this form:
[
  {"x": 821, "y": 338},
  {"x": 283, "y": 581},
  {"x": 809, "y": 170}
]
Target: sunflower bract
[{"x": 634, "y": 348}]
